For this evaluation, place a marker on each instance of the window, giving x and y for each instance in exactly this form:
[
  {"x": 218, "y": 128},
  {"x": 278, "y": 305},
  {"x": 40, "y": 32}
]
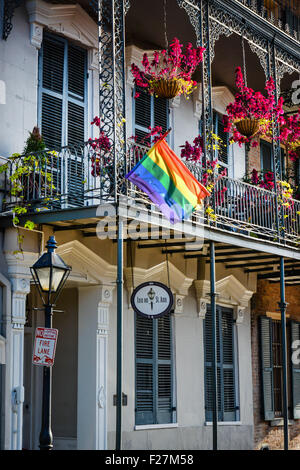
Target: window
[
  {"x": 154, "y": 395},
  {"x": 266, "y": 158},
  {"x": 271, "y": 368},
  {"x": 62, "y": 92},
  {"x": 222, "y": 153},
  {"x": 149, "y": 112},
  {"x": 228, "y": 408},
  {"x": 62, "y": 113}
]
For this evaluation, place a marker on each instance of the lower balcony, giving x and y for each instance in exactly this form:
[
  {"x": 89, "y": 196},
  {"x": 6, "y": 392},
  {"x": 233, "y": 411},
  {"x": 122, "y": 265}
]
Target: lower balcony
[{"x": 64, "y": 181}]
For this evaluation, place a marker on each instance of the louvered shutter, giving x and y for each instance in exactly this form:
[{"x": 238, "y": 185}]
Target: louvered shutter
[
  {"x": 164, "y": 370},
  {"x": 222, "y": 153},
  {"x": 295, "y": 336},
  {"x": 76, "y": 124},
  {"x": 265, "y": 332},
  {"x": 208, "y": 358},
  {"x": 154, "y": 398},
  {"x": 52, "y": 92},
  {"x": 229, "y": 398},
  {"x": 161, "y": 113},
  {"x": 149, "y": 112},
  {"x": 144, "y": 395},
  {"x": 62, "y": 116}
]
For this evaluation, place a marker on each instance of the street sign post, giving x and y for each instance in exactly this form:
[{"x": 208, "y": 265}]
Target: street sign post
[{"x": 44, "y": 346}]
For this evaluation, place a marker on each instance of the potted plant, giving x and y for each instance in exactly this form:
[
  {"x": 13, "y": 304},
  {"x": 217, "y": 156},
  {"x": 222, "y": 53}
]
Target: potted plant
[
  {"x": 170, "y": 71},
  {"x": 251, "y": 114},
  {"x": 30, "y": 182}
]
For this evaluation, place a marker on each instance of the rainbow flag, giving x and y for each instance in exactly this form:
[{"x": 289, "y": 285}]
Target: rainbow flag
[{"x": 168, "y": 182}]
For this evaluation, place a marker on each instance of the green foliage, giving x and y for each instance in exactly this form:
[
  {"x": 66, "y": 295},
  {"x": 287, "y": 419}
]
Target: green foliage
[
  {"x": 29, "y": 177},
  {"x": 35, "y": 142}
]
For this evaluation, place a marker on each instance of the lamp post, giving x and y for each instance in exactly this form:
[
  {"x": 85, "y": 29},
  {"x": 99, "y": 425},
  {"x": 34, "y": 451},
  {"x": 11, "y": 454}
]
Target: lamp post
[{"x": 50, "y": 274}]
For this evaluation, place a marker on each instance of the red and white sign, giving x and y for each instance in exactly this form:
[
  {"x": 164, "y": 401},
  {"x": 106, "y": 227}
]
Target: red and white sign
[{"x": 44, "y": 346}]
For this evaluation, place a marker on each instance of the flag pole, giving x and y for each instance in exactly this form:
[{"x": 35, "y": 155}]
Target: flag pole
[{"x": 163, "y": 136}]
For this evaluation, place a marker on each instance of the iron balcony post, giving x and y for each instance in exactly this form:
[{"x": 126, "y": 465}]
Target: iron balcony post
[
  {"x": 46, "y": 438},
  {"x": 283, "y": 306},
  {"x": 119, "y": 333},
  {"x": 214, "y": 345}
]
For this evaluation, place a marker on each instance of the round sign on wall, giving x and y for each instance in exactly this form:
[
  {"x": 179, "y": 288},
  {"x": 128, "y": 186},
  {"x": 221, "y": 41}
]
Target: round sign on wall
[{"x": 152, "y": 299}]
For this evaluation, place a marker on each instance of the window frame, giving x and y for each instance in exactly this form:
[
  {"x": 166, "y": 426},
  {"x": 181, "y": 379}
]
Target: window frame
[{"x": 65, "y": 96}]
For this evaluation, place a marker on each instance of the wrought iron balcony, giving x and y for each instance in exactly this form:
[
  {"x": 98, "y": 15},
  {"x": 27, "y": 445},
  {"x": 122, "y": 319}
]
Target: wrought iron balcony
[
  {"x": 281, "y": 13},
  {"x": 64, "y": 180}
]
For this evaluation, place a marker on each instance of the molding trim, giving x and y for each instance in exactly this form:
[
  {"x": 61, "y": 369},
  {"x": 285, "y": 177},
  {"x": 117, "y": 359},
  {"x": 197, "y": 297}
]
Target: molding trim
[
  {"x": 230, "y": 292},
  {"x": 221, "y": 97},
  {"x": 87, "y": 266},
  {"x": 180, "y": 284},
  {"x": 197, "y": 101},
  {"x": 69, "y": 20}
]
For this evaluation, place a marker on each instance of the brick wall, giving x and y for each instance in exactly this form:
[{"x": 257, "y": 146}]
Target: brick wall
[{"x": 266, "y": 300}]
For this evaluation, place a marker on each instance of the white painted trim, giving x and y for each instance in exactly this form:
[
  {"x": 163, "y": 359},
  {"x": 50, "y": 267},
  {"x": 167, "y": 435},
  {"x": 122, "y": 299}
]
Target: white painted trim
[
  {"x": 224, "y": 423},
  {"x": 69, "y": 20},
  {"x": 87, "y": 267},
  {"x": 155, "y": 426}
]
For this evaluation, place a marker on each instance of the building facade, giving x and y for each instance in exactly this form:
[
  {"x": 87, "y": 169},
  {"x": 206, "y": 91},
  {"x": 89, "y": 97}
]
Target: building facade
[{"x": 62, "y": 64}]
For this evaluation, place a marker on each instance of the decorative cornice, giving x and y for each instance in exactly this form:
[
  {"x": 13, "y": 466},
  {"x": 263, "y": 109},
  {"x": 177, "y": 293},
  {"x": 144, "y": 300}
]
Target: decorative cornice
[
  {"x": 69, "y": 20},
  {"x": 87, "y": 267},
  {"x": 179, "y": 283},
  {"x": 229, "y": 291},
  {"x": 221, "y": 97}
]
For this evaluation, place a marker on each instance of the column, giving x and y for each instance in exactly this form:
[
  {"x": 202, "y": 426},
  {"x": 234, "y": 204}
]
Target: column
[
  {"x": 15, "y": 338},
  {"x": 93, "y": 324}
]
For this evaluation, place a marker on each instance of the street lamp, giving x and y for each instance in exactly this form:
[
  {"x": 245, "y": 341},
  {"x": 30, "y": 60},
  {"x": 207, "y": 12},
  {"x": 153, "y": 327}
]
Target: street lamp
[{"x": 50, "y": 274}]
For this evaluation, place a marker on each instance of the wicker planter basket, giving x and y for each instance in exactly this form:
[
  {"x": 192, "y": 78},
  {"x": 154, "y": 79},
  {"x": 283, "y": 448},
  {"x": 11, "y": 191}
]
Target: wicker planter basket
[
  {"x": 166, "y": 88},
  {"x": 247, "y": 127}
]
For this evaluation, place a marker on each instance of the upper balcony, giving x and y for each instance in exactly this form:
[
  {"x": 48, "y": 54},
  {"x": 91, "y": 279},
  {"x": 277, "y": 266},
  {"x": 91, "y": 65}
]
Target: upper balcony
[{"x": 62, "y": 186}]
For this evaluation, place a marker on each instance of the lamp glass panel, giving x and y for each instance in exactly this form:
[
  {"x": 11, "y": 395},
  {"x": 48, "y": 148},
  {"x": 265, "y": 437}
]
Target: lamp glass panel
[{"x": 43, "y": 275}]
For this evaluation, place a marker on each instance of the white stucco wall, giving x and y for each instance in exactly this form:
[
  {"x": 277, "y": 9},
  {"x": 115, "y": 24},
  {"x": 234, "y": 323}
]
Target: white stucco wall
[{"x": 18, "y": 72}]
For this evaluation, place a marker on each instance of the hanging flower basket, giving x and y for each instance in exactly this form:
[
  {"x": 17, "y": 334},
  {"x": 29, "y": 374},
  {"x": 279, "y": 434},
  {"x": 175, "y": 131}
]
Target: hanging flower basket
[
  {"x": 251, "y": 114},
  {"x": 169, "y": 72},
  {"x": 247, "y": 127},
  {"x": 166, "y": 88}
]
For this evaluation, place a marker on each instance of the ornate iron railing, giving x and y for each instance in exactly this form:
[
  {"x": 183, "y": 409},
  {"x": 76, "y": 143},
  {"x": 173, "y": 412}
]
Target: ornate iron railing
[
  {"x": 280, "y": 13},
  {"x": 236, "y": 206},
  {"x": 66, "y": 179}
]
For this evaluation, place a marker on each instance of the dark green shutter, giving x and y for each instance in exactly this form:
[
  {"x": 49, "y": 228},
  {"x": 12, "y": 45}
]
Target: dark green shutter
[
  {"x": 63, "y": 105},
  {"x": 161, "y": 113},
  {"x": 227, "y": 410},
  {"x": 164, "y": 370},
  {"x": 229, "y": 398},
  {"x": 149, "y": 112},
  {"x": 144, "y": 370},
  {"x": 295, "y": 336},
  {"x": 224, "y": 145},
  {"x": 52, "y": 83},
  {"x": 153, "y": 347},
  {"x": 265, "y": 332}
]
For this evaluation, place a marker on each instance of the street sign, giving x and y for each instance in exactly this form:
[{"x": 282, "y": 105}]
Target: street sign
[
  {"x": 152, "y": 299},
  {"x": 44, "y": 346}
]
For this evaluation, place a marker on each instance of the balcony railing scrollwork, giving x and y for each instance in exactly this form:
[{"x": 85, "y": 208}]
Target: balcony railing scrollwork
[{"x": 65, "y": 180}]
